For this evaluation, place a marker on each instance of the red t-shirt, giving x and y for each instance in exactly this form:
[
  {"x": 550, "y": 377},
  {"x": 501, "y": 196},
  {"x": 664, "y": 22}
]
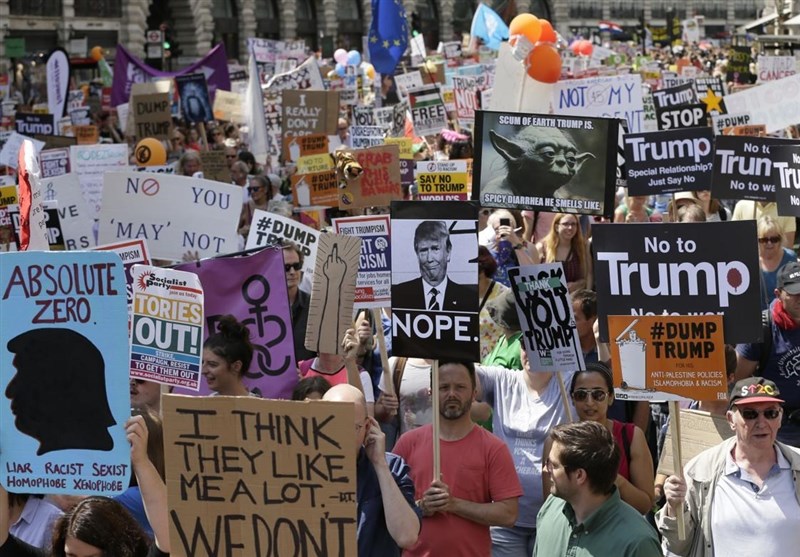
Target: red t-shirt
[{"x": 477, "y": 468}]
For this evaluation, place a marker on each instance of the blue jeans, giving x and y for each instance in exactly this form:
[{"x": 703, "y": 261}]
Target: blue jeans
[{"x": 512, "y": 542}]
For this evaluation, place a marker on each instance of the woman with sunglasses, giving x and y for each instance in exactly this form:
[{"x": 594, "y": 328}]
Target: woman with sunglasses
[
  {"x": 772, "y": 256},
  {"x": 592, "y": 392},
  {"x": 260, "y": 190}
]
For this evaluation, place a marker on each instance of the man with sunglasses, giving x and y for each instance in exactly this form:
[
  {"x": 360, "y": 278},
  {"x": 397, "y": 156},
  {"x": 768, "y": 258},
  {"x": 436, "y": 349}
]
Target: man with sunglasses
[
  {"x": 741, "y": 497},
  {"x": 777, "y": 356},
  {"x": 299, "y": 300}
]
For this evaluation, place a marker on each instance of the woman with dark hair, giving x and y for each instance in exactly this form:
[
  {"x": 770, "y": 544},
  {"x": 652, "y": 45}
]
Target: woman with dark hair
[
  {"x": 226, "y": 358},
  {"x": 311, "y": 388},
  {"x": 592, "y": 392},
  {"x": 488, "y": 289},
  {"x": 250, "y": 160}
]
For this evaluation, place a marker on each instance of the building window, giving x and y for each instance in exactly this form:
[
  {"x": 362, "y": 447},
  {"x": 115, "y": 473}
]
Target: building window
[
  {"x": 98, "y": 8},
  {"x": 41, "y": 8},
  {"x": 586, "y": 10},
  {"x": 267, "y": 19}
]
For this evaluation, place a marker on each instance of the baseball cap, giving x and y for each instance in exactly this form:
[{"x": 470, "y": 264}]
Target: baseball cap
[
  {"x": 789, "y": 278},
  {"x": 754, "y": 389}
]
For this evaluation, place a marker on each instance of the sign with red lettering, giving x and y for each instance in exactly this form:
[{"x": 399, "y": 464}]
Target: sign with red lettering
[{"x": 378, "y": 184}]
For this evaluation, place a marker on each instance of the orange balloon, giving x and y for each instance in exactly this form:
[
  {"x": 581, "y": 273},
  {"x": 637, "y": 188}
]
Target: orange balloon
[
  {"x": 150, "y": 152},
  {"x": 527, "y": 25},
  {"x": 585, "y": 48},
  {"x": 544, "y": 63},
  {"x": 548, "y": 33},
  {"x": 96, "y": 53}
]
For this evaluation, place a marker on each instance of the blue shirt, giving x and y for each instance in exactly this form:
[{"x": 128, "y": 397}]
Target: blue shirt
[
  {"x": 373, "y": 535},
  {"x": 131, "y": 499}
]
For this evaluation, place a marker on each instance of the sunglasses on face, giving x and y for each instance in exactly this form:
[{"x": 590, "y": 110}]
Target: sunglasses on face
[
  {"x": 289, "y": 266},
  {"x": 251, "y": 189},
  {"x": 770, "y": 240},
  {"x": 750, "y": 414},
  {"x": 580, "y": 395}
]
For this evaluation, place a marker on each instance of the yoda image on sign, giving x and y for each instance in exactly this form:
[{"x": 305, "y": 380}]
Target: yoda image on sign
[{"x": 539, "y": 162}]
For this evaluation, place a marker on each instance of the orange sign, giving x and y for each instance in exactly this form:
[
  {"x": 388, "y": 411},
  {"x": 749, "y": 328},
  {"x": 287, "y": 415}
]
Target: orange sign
[
  {"x": 295, "y": 147},
  {"x": 668, "y": 357},
  {"x": 316, "y": 188},
  {"x": 86, "y": 135}
]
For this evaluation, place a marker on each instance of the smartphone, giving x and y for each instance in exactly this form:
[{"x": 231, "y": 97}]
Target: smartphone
[{"x": 505, "y": 222}]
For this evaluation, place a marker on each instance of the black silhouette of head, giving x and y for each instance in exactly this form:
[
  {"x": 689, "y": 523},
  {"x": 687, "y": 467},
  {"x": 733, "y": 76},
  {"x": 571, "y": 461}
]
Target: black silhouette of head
[{"x": 58, "y": 394}]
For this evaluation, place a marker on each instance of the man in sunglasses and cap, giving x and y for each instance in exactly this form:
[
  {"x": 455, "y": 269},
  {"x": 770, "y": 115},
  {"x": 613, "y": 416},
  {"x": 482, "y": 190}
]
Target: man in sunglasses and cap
[
  {"x": 776, "y": 356},
  {"x": 741, "y": 497}
]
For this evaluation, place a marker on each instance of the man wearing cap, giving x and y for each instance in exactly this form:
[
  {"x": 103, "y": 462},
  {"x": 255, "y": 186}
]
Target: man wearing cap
[
  {"x": 777, "y": 356},
  {"x": 741, "y": 497}
]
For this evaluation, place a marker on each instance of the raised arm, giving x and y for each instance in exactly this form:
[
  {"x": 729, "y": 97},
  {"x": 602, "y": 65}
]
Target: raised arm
[{"x": 154, "y": 492}]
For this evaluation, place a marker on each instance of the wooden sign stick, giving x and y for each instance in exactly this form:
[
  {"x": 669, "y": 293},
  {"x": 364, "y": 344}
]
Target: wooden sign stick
[
  {"x": 677, "y": 462},
  {"x": 203, "y": 136},
  {"x": 388, "y": 375},
  {"x": 564, "y": 397},
  {"x": 437, "y": 464}
]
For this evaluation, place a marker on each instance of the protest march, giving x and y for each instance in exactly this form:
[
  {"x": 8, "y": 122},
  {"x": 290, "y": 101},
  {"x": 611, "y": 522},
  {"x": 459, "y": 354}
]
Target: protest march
[{"x": 547, "y": 272}]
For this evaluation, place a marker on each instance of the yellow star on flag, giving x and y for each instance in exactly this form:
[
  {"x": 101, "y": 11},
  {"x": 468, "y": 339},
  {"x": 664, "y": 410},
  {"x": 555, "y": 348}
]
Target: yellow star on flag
[
  {"x": 712, "y": 101},
  {"x": 385, "y": 44},
  {"x": 373, "y": 39},
  {"x": 397, "y": 42}
]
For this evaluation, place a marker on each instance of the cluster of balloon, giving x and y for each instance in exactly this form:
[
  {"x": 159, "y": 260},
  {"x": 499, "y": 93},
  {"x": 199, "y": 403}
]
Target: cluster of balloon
[
  {"x": 582, "y": 47},
  {"x": 543, "y": 62},
  {"x": 150, "y": 152}
]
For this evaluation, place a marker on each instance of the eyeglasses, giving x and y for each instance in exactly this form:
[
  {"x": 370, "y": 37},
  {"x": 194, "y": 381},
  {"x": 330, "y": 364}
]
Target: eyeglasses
[
  {"x": 599, "y": 395},
  {"x": 289, "y": 266},
  {"x": 568, "y": 224},
  {"x": 770, "y": 240},
  {"x": 750, "y": 414},
  {"x": 251, "y": 189}
]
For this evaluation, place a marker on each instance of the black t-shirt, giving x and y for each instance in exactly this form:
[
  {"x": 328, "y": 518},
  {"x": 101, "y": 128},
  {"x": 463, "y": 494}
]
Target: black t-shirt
[{"x": 18, "y": 548}]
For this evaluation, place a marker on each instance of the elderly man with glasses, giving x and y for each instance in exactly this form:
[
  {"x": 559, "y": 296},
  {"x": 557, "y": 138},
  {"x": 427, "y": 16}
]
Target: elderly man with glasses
[{"x": 742, "y": 496}]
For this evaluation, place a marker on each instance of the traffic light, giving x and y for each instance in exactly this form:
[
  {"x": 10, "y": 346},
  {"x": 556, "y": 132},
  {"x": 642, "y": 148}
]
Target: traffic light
[
  {"x": 416, "y": 24},
  {"x": 171, "y": 48}
]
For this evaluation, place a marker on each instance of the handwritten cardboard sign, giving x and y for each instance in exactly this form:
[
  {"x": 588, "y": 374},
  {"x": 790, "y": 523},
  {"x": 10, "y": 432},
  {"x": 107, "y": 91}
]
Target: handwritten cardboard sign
[
  {"x": 229, "y": 107},
  {"x": 86, "y": 135},
  {"x": 151, "y": 115},
  {"x": 73, "y": 211},
  {"x": 379, "y": 184},
  {"x": 268, "y": 489},
  {"x": 331, "y": 310},
  {"x": 167, "y": 326},
  {"x": 215, "y": 166},
  {"x": 773, "y": 103},
  {"x": 308, "y": 112},
  {"x": 64, "y": 343},
  {"x": 618, "y": 96}
]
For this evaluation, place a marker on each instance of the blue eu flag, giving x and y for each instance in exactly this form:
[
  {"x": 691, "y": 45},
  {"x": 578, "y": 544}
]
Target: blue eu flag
[{"x": 388, "y": 35}]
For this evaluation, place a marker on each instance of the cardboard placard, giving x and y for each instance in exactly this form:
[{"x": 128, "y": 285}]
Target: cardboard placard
[
  {"x": 668, "y": 357},
  {"x": 772, "y": 104},
  {"x": 379, "y": 184},
  {"x": 229, "y": 107},
  {"x": 739, "y": 59},
  {"x": 269, "y": 229},
  {"x": 167, "y": 327},
  {"x": 618, "y": 96},
  {"x": 295, "y": 147},
  {"x": 771, "y": 68},
  {"x": 694, "y": 269},
  {"x": 749, "y": 167},
  {"x": 465, "y": 90},
  {"x": 309, "y": 112},
  {"x": 431, "y": 243},
  {"x": 721, "y": 121},
  {"x": 427, "y": 110},
  {"x": 330, "y": 312},
  {"x": 373, "y": 283},
  {"x": 62, "y": 349},
  {"x": 73, "y": 212},
  {"x": 175, "y": 214},
  {"x": 699, "y": 431},
  {"x": 215, "y": 166},
  {"x": 317, "y": 188},
  {"x": 580, "y": 177},
  {"x": 86, "y": 135},
  {"x": 152, "y": 115},
  {"x": 752, "y": 130},
  {"x": 669, "y": 161},
  {"x": 297, "y": 476},
  {"x": 545, "y": 312},
  {"x": 363, "y": 137},
  {"x": 315, "y": 163}
]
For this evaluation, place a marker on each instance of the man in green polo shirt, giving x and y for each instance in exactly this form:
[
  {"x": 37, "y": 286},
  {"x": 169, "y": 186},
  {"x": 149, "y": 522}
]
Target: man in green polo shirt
[{"x": 586, "y": 517}]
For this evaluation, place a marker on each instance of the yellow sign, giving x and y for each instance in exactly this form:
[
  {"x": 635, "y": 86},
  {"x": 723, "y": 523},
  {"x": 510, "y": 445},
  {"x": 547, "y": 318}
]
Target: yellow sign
[
  {"x": 405, "y": 144},
  {"x": 314, "y": 163}
]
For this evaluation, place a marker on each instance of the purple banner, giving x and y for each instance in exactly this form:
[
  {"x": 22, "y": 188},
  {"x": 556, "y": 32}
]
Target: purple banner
[
  {"x": 252, "y": 288},
  {"x": 128, "y": 69}
]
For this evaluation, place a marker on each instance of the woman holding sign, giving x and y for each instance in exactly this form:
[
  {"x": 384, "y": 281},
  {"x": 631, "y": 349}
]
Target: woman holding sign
[{"x": 592, "y": 392}]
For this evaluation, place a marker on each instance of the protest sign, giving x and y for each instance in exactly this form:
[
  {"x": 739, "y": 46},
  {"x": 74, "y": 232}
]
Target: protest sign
[
  {"x": 786, "y": 164},
  {"x": 749, "y": 167},
  {"x": 277, "y": 490},
  {"x": 698, "y": 431},
  {"x": 427, "y": 110},
  {"x": 74, "y": 215},
  {"x": 618, "y": 96},
  {"x": 131, "y": 253},
  {"x": 675, "y": 96},
  {"x": 668, "y": 357},
  {"x": 750, "y": 130},
  {"x": 195, "y": 101},
  {"x": 704, "y": 86},
  {"x": 80, "y": 116},
  {"x": 167, "y": 327},
  {"x": 771, "y": 68},
  {"x": 305, "y": 76},
  {"x": 215, "y": 166},
  {"x": 269, "y": 229},
  {"x": 373, "y": 283},
  {"x": 668, "y": 161},
  {"x": 738, "y": 67},
  {"x": 435, "y": 303},
  {"x": 442, "y": 180},
  {"x": 316, "y": 188},
  {"x": 378, "y": 184},
  {"x": 330, "y": 311},
  {"x": 86, "y": 135},
  {"x": 309, "y": 112},
  {"x": 774, "y": 104},
  {"x": 151, "y": 115},
  {"x": 721, "y": 121},
  {"x": 34, "y": 124},
  {"x": 252, "y": 288},
  {"x": 294, "y": 148},
  {"x": 695, "y": 269},
  {"x": 363, "y": 137},
  {"x": 63, "y": 324},
  {"x": 229, "y": 107},
  {"x": 466, "y": 96},
  {"x": 545, "y": 312},
  {"x": 683, "y": 116},
  {"x": 8, "y": 204},
  {"x": 577, "y": 176},
  {"x": 175, "y": 214},
  {"x": 407, "y": 81},
  {"x": 55, "y": 237},
  {"x": 54, "y": 162},
  {"x": 90, "y": 163},
  {"x": 10, "y": 150},
  {"x": 406, "y": 145},
  {"x": 314, "y": 163}
]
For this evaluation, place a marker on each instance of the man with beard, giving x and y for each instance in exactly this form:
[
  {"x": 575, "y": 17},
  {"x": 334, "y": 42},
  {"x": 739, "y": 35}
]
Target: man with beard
[{"x": 478, "y": 487}]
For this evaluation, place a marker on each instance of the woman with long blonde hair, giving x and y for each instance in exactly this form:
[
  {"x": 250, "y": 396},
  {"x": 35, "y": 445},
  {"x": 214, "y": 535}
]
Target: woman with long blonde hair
[{"x": 565, "y": 243}]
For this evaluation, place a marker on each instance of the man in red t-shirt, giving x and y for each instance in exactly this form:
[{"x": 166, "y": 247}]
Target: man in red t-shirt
[{"x": 479, "y": 485}]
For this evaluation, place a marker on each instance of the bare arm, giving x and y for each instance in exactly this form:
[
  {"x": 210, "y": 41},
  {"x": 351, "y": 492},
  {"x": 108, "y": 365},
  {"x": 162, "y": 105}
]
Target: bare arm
[
  {"x": 350, "y": 346},
  {"x": 639, "y": 491},
  {"x": 788, "y": 239},
  {"x": 153, "y": 490},
  {"x": 437, "y": 498}
]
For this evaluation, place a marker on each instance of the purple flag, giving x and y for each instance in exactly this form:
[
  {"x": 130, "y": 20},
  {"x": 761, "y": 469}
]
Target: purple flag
[
  {"x": 252, "y": 288},
  {"x": 128, "y": 69}
]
